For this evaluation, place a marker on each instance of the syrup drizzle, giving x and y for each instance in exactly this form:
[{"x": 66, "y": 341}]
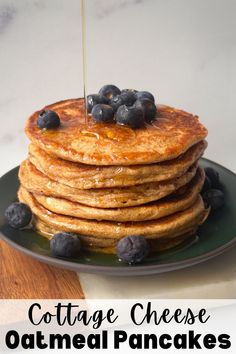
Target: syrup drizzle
[{"x": 84, "y": 56}]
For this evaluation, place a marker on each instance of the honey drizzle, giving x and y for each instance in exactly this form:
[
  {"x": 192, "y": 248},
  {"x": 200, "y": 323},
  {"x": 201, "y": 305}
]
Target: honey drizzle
[{"x": 84, "y": 56}]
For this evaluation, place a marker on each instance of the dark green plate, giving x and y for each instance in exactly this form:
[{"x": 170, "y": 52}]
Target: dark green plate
[{"x": 216, "y": 236}]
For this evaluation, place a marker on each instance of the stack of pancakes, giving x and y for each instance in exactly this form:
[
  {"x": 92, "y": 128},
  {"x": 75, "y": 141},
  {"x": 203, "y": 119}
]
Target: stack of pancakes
[{"x": 104, "y": 181}]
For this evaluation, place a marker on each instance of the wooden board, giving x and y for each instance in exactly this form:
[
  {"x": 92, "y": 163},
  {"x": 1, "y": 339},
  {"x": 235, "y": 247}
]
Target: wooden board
[{"x": 22, "y": 277}]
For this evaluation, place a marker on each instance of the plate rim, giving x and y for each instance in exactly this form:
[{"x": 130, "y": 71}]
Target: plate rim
[
  {"x": 121, "y": 270},
  {"x": 137, "y": 270}
]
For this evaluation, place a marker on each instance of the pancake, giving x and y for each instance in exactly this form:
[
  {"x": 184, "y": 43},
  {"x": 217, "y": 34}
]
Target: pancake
[
  {"x": 38, "y": 183},
  {"x": 185, "y": 197},
  {"x": 83, "y": 176},
  {"x": 173, "y": 132},
  {"x": 167, "y": 227},
  {"x": 105, "y": 245}
]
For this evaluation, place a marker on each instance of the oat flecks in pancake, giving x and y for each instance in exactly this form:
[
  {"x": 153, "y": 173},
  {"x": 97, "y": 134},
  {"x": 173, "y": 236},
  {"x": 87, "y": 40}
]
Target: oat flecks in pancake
[
  {"x": 36, "y": 182},
  {"x": 173, "y": 133},
  {"x": 83, "y": 176}
]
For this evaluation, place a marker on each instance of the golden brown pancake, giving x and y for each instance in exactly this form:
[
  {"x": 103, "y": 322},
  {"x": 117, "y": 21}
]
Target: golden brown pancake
[
  {"x": 83, "y": 176},
  {"x": 36, "y": 182},
  {"x": 173, "y": 132},
  {"x": 179, "y": 201},
  {"x": 167, "y": 227}
]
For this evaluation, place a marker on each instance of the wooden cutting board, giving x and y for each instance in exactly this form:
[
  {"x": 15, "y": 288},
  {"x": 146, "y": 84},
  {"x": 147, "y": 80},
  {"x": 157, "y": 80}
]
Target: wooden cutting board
[{"x": 22, "y": 277}]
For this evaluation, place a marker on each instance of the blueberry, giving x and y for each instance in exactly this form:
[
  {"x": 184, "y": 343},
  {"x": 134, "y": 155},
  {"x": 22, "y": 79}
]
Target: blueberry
[
  {"x": 65, "y": 244},
  {"x": 48, "y": 120},
  {"x": 102, "y": 113},
  {"x": 116, "y": 102},
  {"x": 207, "y": 184},
  {"x": 92, "y": 100},
  {"x": 145, "y": 94},
  {"x": 128, "y": 98},
  {"x": 18, "y": 215},
  {"x": 149, "y": 109},
  {"x": 132, "y": 249},
  {"x": 109, "y": 91},
  {"x": 213, "y": 175},
  {"x": 214, "y": 198},
  {"x": 131, "y": 116}
]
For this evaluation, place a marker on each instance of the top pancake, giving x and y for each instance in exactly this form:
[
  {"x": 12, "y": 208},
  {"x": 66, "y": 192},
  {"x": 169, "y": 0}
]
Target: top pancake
[{"x": 173, "y": 132}]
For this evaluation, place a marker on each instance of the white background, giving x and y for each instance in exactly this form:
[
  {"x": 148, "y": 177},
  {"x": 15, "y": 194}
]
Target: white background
[{"x": 184, "y": 51}]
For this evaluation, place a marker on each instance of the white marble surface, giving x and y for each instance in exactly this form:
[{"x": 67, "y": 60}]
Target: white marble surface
[
  {"x": 183, "y": 51},
  {"x": 214, "y": 279}
]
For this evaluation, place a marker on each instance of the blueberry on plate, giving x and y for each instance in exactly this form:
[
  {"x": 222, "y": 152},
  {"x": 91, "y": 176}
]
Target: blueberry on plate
[
  {"x": 48, "y": 120},
  {"x": 207, "y": 184},
  {"x": 149, "y": 109},
  {"x": 102, "y": 113},
  {"x": 65, "y": 244},
  {"x": 132, "y": 116},
  {"x": 18, "y": 215},
  {"x": 145, "y": 94},
  {"x": 92, "y": 100},
  {"x": 132, "y": 249},
  {"x": 214, "y": 177},
  {"x": 109, "y": 91},
  {"x": 214, "y": 198}
]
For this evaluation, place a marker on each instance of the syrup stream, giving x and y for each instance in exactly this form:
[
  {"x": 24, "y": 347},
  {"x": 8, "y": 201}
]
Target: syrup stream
[{"x": 84, "y": 55}]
